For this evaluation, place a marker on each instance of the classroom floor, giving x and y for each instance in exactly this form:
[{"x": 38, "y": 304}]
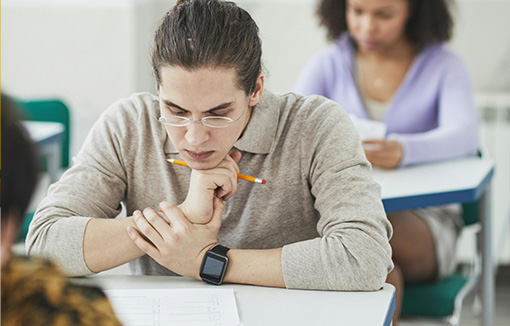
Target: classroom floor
[{"x": 468, "y": 318}]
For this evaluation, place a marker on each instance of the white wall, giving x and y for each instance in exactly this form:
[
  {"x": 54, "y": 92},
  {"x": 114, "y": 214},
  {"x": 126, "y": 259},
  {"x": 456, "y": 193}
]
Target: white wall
[
  {"x": 482, "y": 38},
  {"x": 290, "y": 36},
  {"x": 89, "y": 53}
]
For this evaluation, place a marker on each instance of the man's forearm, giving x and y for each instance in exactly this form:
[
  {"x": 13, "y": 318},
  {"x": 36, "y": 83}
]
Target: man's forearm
[
  {"x": 107, "y": 245},
  {"x": 256, "y": 267}
]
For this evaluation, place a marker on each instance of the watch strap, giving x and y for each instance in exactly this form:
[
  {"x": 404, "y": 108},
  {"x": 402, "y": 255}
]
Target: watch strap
[{"x": 220, "y": 250}]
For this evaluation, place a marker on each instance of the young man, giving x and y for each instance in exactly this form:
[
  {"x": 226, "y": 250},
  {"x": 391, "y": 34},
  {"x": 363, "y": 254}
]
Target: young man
[{"x": 318, "y": 223}]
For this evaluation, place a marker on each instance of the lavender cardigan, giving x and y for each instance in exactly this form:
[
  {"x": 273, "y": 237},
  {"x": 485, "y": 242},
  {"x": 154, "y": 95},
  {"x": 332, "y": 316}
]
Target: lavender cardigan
[{"x": 431, "y": 114}]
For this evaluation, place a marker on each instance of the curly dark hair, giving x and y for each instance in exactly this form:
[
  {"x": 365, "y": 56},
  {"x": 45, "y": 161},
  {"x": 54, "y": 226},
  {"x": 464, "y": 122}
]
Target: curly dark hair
[{"x": 430, "y": 21}]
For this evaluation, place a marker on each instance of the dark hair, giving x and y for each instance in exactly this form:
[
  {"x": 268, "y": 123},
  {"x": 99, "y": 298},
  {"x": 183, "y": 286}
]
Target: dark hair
[
  {"x": 209, "y": 33},
  {"x": 19, "y": 168},
  {"x": 430, "y": 21}
]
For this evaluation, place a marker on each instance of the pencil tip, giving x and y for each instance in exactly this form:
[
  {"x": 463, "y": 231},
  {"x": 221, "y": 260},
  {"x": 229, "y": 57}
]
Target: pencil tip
[{"x": 263, "y": 181}]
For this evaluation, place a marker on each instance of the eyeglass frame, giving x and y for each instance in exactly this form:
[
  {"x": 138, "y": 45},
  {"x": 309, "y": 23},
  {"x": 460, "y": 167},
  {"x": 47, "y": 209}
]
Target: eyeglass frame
[{"x": 188, "y": 121}]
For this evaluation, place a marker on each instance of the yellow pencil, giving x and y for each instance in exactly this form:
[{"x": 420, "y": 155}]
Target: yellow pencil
[{"x": 240, "y": 176}]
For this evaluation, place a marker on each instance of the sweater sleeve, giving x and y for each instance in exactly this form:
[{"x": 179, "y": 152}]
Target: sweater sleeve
[
  {"x": 92, "y": 188},
  {"x": 352, "y": 252},
  {"x": 457, "y": 132}
]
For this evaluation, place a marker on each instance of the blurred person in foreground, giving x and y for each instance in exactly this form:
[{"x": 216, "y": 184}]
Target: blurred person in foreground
[{"x": 34, "y": 291}]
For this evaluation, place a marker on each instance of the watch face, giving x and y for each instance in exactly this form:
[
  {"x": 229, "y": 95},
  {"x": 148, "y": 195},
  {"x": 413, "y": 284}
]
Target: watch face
[{"x": 213, "y": 268}]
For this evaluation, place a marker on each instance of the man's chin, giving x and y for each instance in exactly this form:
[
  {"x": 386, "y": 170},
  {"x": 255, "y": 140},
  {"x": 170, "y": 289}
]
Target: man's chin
[
  {"x": 202, "y": 166},
  {"x": 208, "y": 164}
]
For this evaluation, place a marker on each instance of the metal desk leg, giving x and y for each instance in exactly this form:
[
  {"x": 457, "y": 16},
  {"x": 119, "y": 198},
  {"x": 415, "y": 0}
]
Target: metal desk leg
[
  {"x": 488, "y": 282},
  {"x": 52, "y": 152}
]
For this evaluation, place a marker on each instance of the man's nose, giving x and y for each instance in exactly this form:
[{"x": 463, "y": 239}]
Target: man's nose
[{"x": 197, "y": 133}]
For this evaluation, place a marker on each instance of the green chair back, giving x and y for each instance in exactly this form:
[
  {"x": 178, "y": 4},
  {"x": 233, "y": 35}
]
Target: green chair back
[
  {"x": 432, "y": 299},
  {"x": 470, "y": 213},
  {"x": 52, "y": 110}
]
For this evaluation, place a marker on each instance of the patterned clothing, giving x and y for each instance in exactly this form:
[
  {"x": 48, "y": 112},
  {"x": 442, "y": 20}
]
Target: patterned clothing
[{"x": 36, "y": 292}]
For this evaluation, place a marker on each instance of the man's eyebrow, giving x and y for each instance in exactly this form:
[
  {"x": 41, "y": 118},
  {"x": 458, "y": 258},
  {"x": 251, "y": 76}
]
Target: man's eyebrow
[{"x": 216, "y": 108}]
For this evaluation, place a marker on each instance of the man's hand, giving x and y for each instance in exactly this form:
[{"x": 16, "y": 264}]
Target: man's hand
[
  {"x": 172, "y": 240},
  {"x": 205, "y": 185},
  {"x": 385, "y": 154}
]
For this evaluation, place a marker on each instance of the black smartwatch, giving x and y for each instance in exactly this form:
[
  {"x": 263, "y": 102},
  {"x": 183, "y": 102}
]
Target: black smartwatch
[{"x": 214, "y": 265}]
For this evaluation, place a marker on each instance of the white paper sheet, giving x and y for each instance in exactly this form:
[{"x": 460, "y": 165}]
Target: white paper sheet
[
  {"x": 369, "y": 129},
  {"x": 190, "y": 307}
]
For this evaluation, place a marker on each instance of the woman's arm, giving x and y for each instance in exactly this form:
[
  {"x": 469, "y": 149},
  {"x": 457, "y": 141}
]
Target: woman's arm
[{"x": 457, "y": 132}]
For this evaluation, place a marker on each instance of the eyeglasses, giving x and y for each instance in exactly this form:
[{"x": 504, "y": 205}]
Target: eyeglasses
[{"x": 212, "y": 122}]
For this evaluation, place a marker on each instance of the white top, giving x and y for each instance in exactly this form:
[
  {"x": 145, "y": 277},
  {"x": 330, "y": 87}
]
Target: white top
[{"x": 376, "y": 109}]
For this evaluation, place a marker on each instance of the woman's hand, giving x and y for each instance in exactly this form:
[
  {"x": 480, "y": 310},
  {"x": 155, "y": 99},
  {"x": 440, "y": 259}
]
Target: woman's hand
[
  {"x": 385, "y": 154},
  {"x": 172, "y": 240},
  {"x": 205, "y": 185}
]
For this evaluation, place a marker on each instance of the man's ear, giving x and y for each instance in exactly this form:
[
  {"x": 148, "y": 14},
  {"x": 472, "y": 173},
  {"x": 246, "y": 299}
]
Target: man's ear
[{"x": 256, "y": 96}]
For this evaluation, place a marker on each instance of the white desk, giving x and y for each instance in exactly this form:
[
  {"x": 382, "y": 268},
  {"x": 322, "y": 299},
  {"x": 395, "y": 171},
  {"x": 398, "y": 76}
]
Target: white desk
[
  {"x": 48, "y": 138},
  {"x": 273, "y": 306},
  {"x": 456, "y": 181}
]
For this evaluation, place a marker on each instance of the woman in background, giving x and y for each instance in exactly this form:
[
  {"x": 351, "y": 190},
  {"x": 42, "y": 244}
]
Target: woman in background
[{"x": 389, "y": 63}]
